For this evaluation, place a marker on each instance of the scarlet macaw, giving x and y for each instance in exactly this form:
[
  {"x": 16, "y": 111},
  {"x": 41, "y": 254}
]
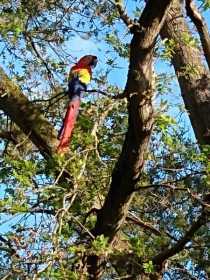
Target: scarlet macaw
[{"x": 79, "y": 76}]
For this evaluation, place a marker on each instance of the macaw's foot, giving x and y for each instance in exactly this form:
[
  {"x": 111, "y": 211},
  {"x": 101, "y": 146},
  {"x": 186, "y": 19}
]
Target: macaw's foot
[
  {"x": 59, "y": 137},
  {"x": 60, "y": 134},
  {"x": 62, "y": 150}
]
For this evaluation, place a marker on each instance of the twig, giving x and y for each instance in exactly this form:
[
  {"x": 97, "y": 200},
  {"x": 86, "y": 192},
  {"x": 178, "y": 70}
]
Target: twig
[
  {"x": 6, "y": 276},
  {"x": 8, "y": 243},
  {"x": 41, "y": 270},
  {"x": 49, "y": 72},
  {"x": 63, "y": 93},
  {"x": 133, "y": 218},
  {"x": 49, "y": 99},
  {"x": 83, "y": 227}
]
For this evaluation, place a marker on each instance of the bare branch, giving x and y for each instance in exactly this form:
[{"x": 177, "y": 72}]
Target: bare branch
[
  {"x": 125, "y": 18},
  {"x": 61, "y": 94}
]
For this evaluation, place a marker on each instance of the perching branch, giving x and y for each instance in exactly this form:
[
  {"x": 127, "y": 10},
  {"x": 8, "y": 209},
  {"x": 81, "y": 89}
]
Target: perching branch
[
  {"x": 40, "y": 210},
  {"x": 117, "y": 96},
  {"x": 54, "y": 99},
  {"x": 201, "y": 26}
]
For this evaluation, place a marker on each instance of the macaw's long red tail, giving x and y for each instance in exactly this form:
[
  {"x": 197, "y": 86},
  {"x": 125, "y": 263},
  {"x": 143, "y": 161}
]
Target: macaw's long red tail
[{"x": 68, "y": 125}]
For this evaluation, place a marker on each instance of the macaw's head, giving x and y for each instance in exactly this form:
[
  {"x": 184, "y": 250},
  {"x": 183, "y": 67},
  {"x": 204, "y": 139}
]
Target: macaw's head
[{"x": 87, "y": 61}]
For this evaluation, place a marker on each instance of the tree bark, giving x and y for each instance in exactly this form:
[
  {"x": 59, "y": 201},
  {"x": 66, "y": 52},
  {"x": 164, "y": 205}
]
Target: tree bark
[
  {"x": 131, "y": 161},
  {"x": 194, "y": 84},
  {"x": 201, "y": 26},
  {"x": 27, "y": 116}
]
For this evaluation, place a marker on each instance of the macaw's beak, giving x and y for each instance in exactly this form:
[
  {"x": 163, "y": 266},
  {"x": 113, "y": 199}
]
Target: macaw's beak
[{"x": 94, "y": 62}]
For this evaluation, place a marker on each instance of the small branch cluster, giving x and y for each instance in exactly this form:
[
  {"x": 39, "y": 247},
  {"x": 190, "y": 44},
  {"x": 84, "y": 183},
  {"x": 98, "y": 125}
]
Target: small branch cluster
[{"x": 133, "y": 25}]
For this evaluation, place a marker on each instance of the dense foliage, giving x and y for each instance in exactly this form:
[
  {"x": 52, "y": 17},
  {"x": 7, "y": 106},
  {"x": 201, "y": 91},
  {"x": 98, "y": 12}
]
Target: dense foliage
[{"x": 46, "y": 223}]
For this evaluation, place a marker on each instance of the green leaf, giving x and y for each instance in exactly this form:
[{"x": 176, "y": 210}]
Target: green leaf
[
  {"x": 148, "y": 267},
  {"x": 100, "y": 245}
]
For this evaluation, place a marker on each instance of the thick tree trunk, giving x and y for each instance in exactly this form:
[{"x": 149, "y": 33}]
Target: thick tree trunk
[
  {"x": 193, "y": 77},
  {"x": 140, "y": 109},
  {"x": 131, "y": 161},
  {"x": 27, "y": 116}
]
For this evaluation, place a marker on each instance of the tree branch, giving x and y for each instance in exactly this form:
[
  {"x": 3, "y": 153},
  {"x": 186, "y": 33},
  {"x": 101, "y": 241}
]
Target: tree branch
[
  {"x": 142, "y": 224},
  {"x": 125, "y": 18},
  {"x": 117, "y": 96},
  {"x": 27, "y": 116},
  {"x": 200, "y": 24},
  {"x": 179, "y": 246}
]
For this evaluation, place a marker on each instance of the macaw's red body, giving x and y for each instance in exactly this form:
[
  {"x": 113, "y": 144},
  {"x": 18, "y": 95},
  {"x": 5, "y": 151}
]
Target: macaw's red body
[{"x": 79, "y": 76}]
